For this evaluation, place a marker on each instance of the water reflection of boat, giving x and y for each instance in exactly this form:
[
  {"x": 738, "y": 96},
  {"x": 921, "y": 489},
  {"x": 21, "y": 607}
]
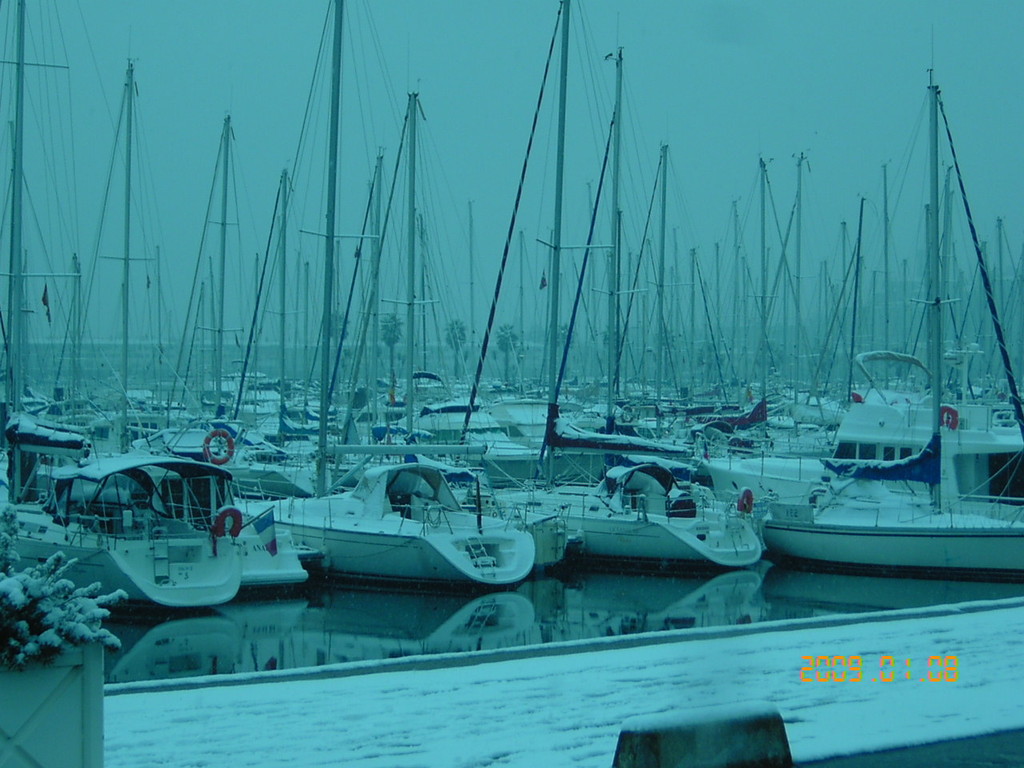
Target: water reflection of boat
[
  {"x": 795, "y": 593},
  {"x": 352, "y": 625},
  {"x": 199, "y": 645},
  {"x": 603, "y": 604}
]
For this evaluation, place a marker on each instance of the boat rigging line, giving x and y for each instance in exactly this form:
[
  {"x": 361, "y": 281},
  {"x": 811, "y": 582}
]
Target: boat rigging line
[
  {"x": 997, "y": 325},
  {"x": 511, "y": 230}
]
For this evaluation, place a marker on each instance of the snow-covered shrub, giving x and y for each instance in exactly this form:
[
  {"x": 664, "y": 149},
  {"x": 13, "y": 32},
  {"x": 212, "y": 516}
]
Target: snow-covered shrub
[{"x": 41, "y": 611}]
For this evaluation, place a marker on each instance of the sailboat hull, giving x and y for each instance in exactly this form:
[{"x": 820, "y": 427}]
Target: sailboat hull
[
  {"x": 416, "y": 556},
  {"x": 663, "y": 541},
  {"x": 984, "y": 552}
]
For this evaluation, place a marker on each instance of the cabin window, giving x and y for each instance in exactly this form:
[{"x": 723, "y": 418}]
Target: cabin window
[
  {"x": 846, "y": 451},
  {"x": 888, "y": 453},
  {"x": 868, "y": 451},
  {"x": 906, "y": 452},
  {"x": 1007, "y": 473}
]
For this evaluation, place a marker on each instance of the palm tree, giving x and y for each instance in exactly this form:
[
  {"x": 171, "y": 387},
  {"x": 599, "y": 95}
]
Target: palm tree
[
  {"x": 506, "y": 340},
  {"x": 391, "y": 334},
  {"x": 455, "y": 335}
]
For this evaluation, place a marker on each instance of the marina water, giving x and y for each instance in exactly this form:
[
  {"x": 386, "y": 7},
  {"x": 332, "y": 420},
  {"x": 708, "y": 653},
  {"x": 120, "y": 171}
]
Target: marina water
[{"x": 328, "y": 622}]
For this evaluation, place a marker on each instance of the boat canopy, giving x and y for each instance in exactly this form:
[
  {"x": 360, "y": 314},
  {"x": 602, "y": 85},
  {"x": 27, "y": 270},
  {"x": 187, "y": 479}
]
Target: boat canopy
[{"x": 397, "y": 483}]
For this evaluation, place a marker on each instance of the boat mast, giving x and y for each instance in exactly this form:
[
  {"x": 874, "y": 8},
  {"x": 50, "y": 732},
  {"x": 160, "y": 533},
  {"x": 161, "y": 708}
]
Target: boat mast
[
  {"x": 410, "y": 286},
  {"x": 129, "y": 110},
  {"x": 556, "y": 235},
  {"x": 282, "y": 255},
  {"x": 662, "y": 341},
  {"x": 16, "y": 288},
  {"x": 932, "y": 223},
  {"x": 885, "y": 255},
  {"x": 614, "y": 255},
  {"x": 218, "y": 344},
  {"x": 763, "y": 176},
  {"x": 472, "y": 288},
  {"x": 327, "y": 329},
  {"x": 798, "y": 258}
]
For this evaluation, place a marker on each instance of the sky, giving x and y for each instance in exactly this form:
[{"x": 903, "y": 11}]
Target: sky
[
  {"x": 723, "y": 83},
  {"x": 572, "y": 706}
]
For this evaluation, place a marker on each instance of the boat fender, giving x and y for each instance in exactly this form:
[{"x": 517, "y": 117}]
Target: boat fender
[
  {"x": 745, "y": 503},
  {"x": 220, "y": 527},
  {"x": 218, "y": 447},
  {"x": 949, "y": 417}
]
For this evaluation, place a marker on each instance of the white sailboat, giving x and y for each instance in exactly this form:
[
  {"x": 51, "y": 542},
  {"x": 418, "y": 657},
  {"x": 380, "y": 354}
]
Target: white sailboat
[
  {"x": 638, "y": 516},
  {"x": 961, "y": 508},
  {"x": 141, "y": 526},
  {"x": 402, "y": 523},
  {"x": 156, "y": 528}
]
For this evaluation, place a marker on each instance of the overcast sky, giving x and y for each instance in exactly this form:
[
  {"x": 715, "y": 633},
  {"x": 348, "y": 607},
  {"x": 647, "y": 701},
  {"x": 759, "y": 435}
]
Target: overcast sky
[{"x": 721, "y": 82}]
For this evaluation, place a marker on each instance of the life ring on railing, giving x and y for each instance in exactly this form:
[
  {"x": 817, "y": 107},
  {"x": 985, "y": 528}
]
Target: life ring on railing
[
  {"x": 218, "y": 447},
  {"x": 220, "y": 524},
  {"x": 949, "y": 417},
  {"x": 745, "y": 503}
]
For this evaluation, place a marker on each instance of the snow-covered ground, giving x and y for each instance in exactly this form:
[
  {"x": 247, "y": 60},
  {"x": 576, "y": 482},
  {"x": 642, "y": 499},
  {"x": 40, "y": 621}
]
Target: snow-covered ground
[{"x": 564, "y": 705}]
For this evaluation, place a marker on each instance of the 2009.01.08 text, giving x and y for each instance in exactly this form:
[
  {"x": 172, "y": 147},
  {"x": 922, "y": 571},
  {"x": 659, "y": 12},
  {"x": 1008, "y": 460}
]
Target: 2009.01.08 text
[{"x": 850, "y": 669}]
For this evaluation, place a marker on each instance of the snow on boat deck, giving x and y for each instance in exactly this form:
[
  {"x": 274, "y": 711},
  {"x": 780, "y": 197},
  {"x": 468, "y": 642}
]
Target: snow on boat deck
[{"x": 563, "y": 704}]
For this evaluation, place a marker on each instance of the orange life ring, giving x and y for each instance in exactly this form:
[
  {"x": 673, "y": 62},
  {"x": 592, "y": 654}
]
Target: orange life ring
[
  {"x": 218, "y": 447},
  {"x": 220, "y": 527},
  {"x": 949, "y": 417},
  {"x": 745, "y": 503}
]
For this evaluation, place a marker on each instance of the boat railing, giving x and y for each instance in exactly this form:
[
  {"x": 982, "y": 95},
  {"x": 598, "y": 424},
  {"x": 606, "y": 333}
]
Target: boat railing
[{"x": 1002, "y": 508}]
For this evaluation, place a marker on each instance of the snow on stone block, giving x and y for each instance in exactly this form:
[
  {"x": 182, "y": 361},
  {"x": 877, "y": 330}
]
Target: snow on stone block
[{"x": 726, "y": 736}]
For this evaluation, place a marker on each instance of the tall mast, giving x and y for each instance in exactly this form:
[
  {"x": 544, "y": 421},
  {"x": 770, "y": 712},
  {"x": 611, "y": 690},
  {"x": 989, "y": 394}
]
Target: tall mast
[
  {"x": 764, "y": 280},
  {"x": 76, "y": 357},
  {"x": 662, "y": 341},
  {"x": 410, "y": 310},
  {"x": 556, "y": 235},
  {"x": 129, "y": 110},
  {"x": 218, "y": 331},
  {"x": 614, "y": 255},
  {"x": 282, "y": 257},
  {"x": 885, "y": 256},
  {"x": 932, "y": 216},
  {"x": 16, "y": 286},
  {"x": 374, "y": 299},
  {"x": 327, "y": 328},
  {"x": 797, "y": 307},
  {"x": 472, "y": 282}
]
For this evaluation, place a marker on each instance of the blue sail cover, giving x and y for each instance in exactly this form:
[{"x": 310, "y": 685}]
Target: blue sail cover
[{"x": 922, "y": 468}]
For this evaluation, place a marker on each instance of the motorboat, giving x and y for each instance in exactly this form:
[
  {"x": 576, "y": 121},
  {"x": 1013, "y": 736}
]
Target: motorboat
[{"x": 402, "y": 523}]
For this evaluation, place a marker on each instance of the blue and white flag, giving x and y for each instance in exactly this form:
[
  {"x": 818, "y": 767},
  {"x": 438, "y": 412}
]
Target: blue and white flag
[{"x": 264, "y": 526}]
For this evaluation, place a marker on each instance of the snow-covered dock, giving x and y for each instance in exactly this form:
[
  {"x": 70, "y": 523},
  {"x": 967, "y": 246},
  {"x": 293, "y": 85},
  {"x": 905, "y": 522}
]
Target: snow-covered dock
[{"x": 563, "y": 704}]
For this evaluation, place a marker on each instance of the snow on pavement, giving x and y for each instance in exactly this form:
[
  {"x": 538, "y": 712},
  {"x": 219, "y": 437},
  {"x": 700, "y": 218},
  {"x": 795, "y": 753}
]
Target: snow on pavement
[{"x": 562, "y": 708}]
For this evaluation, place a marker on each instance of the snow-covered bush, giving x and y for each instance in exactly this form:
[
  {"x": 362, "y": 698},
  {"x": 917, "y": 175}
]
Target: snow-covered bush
[{"x": 41, "y": 611}]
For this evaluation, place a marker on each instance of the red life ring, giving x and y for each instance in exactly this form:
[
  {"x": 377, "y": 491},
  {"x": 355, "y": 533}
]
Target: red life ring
[
  {"x": 220, "y": 527},
  {"x": 949, "y": 417},
  {"x": 745, "y": 503},
  {"x": 218, "y": 447}
]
